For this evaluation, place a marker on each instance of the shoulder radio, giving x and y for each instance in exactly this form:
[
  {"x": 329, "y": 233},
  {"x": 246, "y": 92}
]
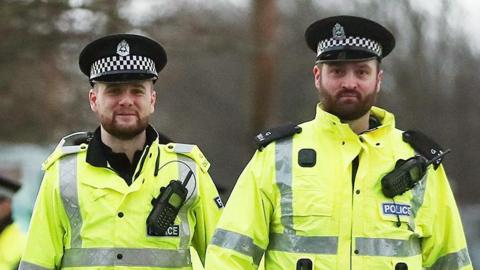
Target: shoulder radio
[{"x": 407, "y": 174}]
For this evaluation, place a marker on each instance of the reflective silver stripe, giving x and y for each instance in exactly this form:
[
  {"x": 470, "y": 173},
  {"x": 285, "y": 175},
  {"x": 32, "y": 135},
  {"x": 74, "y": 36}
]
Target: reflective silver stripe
[
  {"x": 283, "y": 170},
  {"x": 192, "y": 194},
  {"x": 69, "y": 194},
  {"x": 237, "y": 242},
  {"x": 80, "y": 257},
  {"x": 30, "y": 266},
  {"x": 452, "y": 261},
  {"x": 418, "y": 195},
  {"x": 303, "y": 244},
  {"x": 67, "y": 150},
  {"x": 387, "y": 247},
  {"x": 416, "y": 202},
  {"x": 183, "y": 148}
]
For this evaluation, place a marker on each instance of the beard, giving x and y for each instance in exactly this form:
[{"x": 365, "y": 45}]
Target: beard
[
  {"x": 355, "y": 106},
  {"x": 124, "y": 132}
]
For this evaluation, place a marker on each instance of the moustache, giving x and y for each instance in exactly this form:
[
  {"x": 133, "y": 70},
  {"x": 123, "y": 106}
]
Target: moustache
[
  {"x": 116, "y": 113},
  {"x": 348, "y": 93}
]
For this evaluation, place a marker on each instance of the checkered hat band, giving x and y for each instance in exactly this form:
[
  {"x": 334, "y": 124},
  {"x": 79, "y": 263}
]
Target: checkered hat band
[
  {"x": 359, "y": 42},
  {"x": 114, "y": 64}
]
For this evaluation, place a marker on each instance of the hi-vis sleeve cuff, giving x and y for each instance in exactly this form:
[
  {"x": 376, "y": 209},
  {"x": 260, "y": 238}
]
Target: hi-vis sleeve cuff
[
  {"x": 30, "y": 266},
  {"x": 455, "y": 260},
  {"x": 239, "y": 243}
]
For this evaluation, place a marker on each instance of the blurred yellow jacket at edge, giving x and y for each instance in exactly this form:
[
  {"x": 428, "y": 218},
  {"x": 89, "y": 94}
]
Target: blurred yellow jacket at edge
[
  {"x": 87, "y": 217},
  {"x": 196, "y": 262},
  {"x": 290, "y": 213},
  {"x": 12, "y": 243}
]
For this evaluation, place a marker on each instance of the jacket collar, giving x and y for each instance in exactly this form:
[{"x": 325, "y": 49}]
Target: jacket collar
[
  {"x": 96, "y": 155},
  {"x": 383, "y": 119}
]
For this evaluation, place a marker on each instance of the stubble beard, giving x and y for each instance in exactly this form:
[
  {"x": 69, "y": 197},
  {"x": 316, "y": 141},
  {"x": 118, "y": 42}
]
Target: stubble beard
[{"x": 124, "y": 132}]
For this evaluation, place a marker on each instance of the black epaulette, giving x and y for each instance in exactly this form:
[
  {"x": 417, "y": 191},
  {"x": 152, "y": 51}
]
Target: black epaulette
[
  {"x": 263, "y": 139},
  {"x": 163, "y": 139},
  {"x": 424, "y": 145},
  {"x": 78, "y": 138}
]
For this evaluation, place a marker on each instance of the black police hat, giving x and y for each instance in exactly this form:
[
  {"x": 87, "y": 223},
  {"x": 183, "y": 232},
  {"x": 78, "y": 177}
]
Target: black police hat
[
  {"x": 8, "y": 187},
  {"x": 341, "y": 38},
  {"x": 122, "y": 57}
]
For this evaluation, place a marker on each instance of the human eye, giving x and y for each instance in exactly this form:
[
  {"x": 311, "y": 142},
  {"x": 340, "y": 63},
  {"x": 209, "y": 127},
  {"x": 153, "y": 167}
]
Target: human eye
[
  {"x": 138, "y": 91},
  {"x": 113, "y": 91},
  {"x": 336, "y": 71},
  {"x": 363, "y": 72}
]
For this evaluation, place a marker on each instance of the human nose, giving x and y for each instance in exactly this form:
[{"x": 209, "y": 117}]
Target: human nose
[
  {"x": 349, "y": 81},
  {"x": 126, "y": 100}
]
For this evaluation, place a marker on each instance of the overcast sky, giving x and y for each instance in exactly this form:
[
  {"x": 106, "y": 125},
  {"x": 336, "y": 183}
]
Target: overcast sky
[{"x": 471, "y": 22}]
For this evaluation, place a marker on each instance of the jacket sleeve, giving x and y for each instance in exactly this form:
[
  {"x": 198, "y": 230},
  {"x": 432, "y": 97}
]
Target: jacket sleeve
[
  {"x": 242, "y": 233},
  {"x": 44, "y": 248},
  {"x": 207, "y": 214},
  {"x": 444, "y": 245}
]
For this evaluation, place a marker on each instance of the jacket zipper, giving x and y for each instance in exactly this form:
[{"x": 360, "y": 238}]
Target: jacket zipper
[
  {"x": 355, "y": 164},
  {"x": 140, "y": 165}
]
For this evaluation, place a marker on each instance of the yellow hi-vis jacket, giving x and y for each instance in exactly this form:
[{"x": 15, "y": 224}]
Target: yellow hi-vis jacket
[
  {"x": 87, "y": 217},
  {"x": 287, "y": 212},
  {"x": 12, "y": 243}
]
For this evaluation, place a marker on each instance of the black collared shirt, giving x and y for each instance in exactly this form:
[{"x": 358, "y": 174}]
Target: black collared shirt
[
  {"x": 5, "y": 222},
  {"x": 100, "y": 155}
]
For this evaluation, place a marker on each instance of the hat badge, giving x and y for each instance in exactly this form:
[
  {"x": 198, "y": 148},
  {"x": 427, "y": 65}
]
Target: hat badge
[
  {"x": 123, "y": 49},
  {"x": 338, "y": 32}
]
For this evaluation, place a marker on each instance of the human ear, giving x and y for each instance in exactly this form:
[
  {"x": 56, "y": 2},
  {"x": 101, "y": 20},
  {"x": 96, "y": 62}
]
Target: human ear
[
  {"x": 379, "y": 80},
  {"x": 92, "y": 98},
  {"x": 316, "y": 76}
]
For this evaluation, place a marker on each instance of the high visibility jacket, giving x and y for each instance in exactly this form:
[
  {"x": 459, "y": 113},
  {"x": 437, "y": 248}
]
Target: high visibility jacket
[
  {"x": 12, "y": 243},
  {"x": 88, "y": 217},
  {"x": 317, "y": 212}
]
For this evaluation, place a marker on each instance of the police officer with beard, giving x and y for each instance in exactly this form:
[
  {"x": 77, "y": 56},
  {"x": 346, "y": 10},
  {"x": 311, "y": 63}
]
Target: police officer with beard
[
  {"x": 122, "y": 196},
  {"x": 347, "y": 190}
]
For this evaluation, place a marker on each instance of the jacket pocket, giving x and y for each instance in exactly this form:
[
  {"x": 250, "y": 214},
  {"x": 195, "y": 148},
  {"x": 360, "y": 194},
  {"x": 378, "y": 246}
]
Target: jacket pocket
[
  {"x": 306, "y": 207},
  {"x": 97, "y": 193},
  {"x": 311, "y": 202},
  {"x": 311, "y": 196}
]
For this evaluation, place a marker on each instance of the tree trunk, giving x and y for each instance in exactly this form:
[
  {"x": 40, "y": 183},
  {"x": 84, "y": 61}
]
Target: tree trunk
[{"x": 265, "y": 23}]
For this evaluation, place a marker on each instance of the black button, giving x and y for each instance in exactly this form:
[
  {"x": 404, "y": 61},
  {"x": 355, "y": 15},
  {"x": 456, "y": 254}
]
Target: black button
[
  {"x": 357, "y": 191},
  {"x": 377, "y": 144},
  {"x": 361, "y": 139},
  {"x": 356, "y": 251},
  {"x": 307, "y": 157},
  {"x": 120, "y": 214},
  {"x": 401, "y": 266},
  {"x": 343, "y": 143},
  {"x": 119, "y": 256},
  {"x": 170, "y": 146}
]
